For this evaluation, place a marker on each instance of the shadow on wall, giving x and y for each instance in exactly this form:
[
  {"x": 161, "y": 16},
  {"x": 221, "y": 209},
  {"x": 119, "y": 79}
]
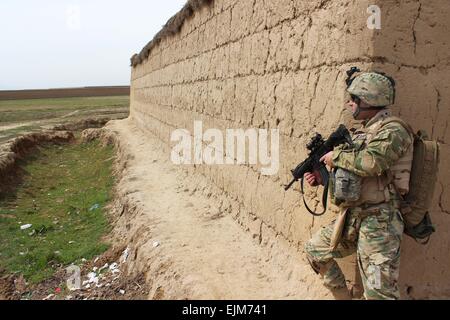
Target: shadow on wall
[{"x": 412, "y": 46}]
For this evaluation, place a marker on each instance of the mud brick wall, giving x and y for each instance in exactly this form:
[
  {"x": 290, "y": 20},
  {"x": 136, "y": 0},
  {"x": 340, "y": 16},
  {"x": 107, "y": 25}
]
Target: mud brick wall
[{"x": 281, "y": 64}]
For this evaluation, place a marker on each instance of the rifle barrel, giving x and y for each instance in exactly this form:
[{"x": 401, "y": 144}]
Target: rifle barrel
[{"x": 290, "y": 184}]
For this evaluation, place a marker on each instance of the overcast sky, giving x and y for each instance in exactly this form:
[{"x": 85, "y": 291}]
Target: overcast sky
[{"x": 71, "y": 43}]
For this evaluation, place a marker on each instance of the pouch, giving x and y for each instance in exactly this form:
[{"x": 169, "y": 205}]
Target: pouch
[{"x": 347, "y": 186}]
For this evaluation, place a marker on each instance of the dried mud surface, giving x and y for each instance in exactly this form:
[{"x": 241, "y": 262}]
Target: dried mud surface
[
  {"x": 184, "y": 234},
  {"x": 281, "y": 64}
]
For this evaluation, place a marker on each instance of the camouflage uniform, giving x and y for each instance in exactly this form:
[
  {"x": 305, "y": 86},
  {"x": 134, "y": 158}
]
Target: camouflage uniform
[{"x": 374, "y": 231}]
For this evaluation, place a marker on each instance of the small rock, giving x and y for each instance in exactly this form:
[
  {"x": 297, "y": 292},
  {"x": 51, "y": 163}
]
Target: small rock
[
  {"x": 122, "y": 292},
  {"x": 20, "y": 284}
]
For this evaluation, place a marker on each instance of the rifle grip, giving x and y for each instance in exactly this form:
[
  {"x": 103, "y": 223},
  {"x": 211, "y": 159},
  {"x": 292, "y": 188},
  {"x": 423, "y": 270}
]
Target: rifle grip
[
  {"x": 318, "y": 178},
  {"x": 321, "y": 174}
]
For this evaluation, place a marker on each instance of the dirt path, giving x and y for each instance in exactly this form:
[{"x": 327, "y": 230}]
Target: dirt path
[
  {"x": 17, "y": 125},
  {"x": 36, "y": 122},
  {"x": 188, "y": 249}
]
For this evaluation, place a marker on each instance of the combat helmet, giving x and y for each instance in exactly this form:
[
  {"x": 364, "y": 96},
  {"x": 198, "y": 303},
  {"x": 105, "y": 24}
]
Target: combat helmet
[{"x": 374, "y": 88}]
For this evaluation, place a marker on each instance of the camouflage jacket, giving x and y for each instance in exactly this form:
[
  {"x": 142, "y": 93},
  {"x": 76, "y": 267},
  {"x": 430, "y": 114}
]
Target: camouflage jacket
[{"x": 385, "y": 148}]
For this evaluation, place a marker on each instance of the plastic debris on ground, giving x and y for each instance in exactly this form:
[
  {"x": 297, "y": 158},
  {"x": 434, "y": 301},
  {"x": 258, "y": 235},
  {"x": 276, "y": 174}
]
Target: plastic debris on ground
[
  {"x": 49, "y": 297},
  {"x": 94, "y": 207},
  {"x": 102, "y": 268},
  {"x": 114, "y": 268},
  {"x": 107, "y": 276},
  {"x": 125, "y": 255},
  {"x": 92, "y": 278}
]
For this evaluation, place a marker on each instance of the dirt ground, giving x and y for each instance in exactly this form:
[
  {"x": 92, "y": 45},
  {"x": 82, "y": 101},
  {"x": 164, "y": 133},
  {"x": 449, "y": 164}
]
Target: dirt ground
[
  {"x": 181, "y": 237},
  {"x": 184, "y": 242}
]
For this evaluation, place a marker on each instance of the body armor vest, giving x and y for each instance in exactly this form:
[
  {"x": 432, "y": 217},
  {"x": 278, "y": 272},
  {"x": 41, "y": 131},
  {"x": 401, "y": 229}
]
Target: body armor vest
[{"x": 383, "y": 188}]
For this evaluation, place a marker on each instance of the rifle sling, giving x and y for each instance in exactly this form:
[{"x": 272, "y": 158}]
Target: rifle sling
[{"x": 324, "y": 199}]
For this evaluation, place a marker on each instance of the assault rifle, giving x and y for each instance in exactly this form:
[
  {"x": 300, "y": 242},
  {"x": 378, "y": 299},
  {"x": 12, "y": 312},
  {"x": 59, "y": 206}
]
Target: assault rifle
[{"x": 318, "y": 147}]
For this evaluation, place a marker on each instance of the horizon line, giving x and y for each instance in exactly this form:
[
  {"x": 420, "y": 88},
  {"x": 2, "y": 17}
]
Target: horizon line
[{"x": 64, "y": 88}]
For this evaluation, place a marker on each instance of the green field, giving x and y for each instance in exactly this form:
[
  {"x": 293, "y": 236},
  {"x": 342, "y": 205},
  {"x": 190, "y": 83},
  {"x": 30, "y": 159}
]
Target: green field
[
  {"x": 20, "y": 116},
  {"x": 63, "y": 196},
  {"x": 12, "y": 111}
]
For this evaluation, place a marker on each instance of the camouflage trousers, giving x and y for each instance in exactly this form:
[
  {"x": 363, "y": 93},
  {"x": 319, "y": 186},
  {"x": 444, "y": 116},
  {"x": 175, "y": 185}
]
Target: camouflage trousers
[{"x": 376, "y": 240}]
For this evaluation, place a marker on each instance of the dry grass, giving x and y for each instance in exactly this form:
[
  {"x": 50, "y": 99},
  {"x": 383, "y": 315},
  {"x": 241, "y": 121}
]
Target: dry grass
[{"x": 172, "y": 26}]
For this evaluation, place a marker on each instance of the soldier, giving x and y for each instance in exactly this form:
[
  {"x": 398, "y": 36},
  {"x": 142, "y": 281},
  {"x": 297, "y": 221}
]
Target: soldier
[{"x": 372, "y": 226}]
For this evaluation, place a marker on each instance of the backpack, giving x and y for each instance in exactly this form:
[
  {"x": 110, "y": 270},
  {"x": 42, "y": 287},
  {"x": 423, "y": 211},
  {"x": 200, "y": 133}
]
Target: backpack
[{"x": 417, "y": 202}]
